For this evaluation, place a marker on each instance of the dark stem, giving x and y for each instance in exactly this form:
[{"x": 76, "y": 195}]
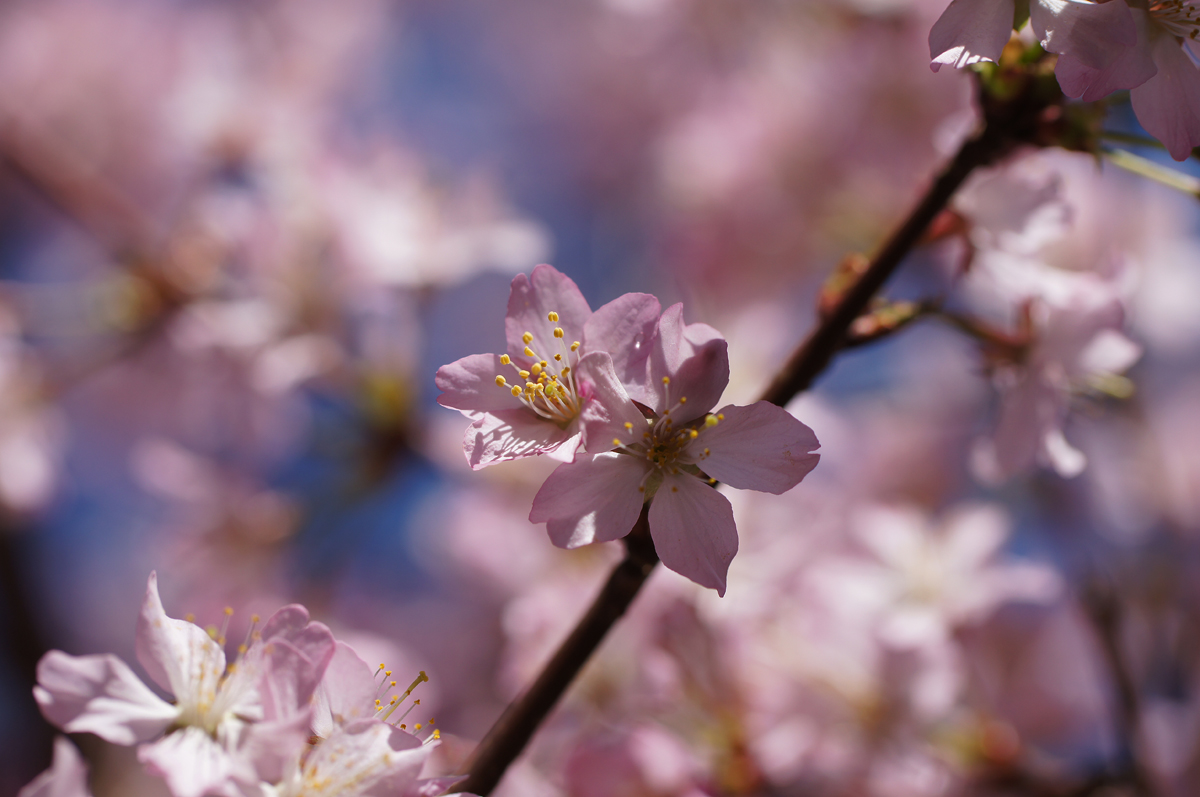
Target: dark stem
[
  {"x": 508, "y": 737},
  {"x": 1006, "y": 124}
]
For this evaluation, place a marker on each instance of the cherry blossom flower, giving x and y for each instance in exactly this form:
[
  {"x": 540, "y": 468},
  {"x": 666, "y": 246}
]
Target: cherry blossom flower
[
  {"x": 66, "y": 777},
  {"x": 672, "y": 457},
  {"x": 227, "y": 723},
  {"x": 1076, "y": 346},
  {"x": 555, "y": 376},
  {"x": 1107, "y": 47}
]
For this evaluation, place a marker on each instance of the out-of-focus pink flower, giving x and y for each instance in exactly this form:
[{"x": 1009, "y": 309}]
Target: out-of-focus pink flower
[
  {"x": 932, "y": 579},
  {"x": 226, "y": 723},
  {"x": 1077, "y": 345},
  {"x": 557, "y": 376},
  {"x": 669, "y": 458},
  {"x": 646, "y": 762},
  {"x": 66, "y": 777}
]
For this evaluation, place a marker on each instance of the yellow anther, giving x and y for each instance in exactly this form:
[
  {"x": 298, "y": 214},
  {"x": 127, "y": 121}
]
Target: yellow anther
[
  {"x": 382, "y": 665},
  {"x": 566, "y": 370},
  {"x": 674, "y": 489},
  {"x": 527, "y": 338},
  {"x": 666, "y": 380},
  {"x": 229, "y": 611},
  {"x": 710, "y": 420},
  {"x": 516, "y": 391},
  {"x": 706, "y": 452},
  {"x": 628, "y": 426},
  {"x": 720, "y": 416},
  {"x": 535, "y": 369},
  {"x": 558, "y": 332},
  {"x": 501, "y": 381},
  {"x": 574, "y": 345},
  {"x": 683, "y": 399},
  {"x": 523, "y": 374},
  {"x": 693, "y": 434},
  {"x": 387, "y": 673},
  {"x": 558, "y": 357},
  {"x": 505, "y": 359},
  {"x": 437, "y": 733},
  {"x": 417, "y": 727},
  {"x": 254, "y": 618},
  {"x": 529, "y": 352},
  {"x": 242, "y": 648},
  {"x": 191, "y": 618},
  {"x": 616, "y": 441},
  {"x": 552, "y": 317},
  {"x": 544, "y": 363}
]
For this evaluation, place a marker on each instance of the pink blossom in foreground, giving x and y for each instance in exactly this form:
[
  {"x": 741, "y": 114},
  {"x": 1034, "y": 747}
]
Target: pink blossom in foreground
[
  {"x": 970, "y": 31},
  {"x": 671, "y": 457},
  {"x": 554, "y": 376},
  {"x": 66, "y": 777},
  {"x": 1107, "y": 47},
  {"x": 228, "y": 723}
]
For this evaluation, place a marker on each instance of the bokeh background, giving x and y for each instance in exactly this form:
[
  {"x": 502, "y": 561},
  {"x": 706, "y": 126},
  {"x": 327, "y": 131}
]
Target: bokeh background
[{"x": 238, "y": 237}]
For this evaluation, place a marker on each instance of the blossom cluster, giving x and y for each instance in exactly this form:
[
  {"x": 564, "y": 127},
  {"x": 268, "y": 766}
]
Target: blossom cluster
[
  {"x": 295, "y": 714},
  {"x": 635, "y": 388},
  {"x": 1102, "y": 47}
]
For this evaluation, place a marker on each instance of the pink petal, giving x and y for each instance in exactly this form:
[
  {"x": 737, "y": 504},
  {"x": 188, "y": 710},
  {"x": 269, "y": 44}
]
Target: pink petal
[
  {"x": 1168, "y": 104},
  {"x": 165, "y": 646},
  {"x": 66, "y": 777},
  {"x": 100, "y": 695},
  {"x": 470, "y": 385},
  {"x": 1094, "y": 34},
  {"x": 267, "y": 749},
  {"x": 969, "y": 31},
  {"x": 1093, "y": 63},
  {"x": 530, "y": 302},
  {"x": 190, "y": 761},
  {"x": 759, "y": 447},
  {"x": 693, "y": 530},
  {"x": 512, "y": 434},
  {"x": 346, "y": 694},
  {"x": 696, "y": 360},
  {"x": 625, "y": 328},
  {"x": 590, "y": 500},
  {"x": 607, "y": 406},
  {"x": 350, "y": 761}
]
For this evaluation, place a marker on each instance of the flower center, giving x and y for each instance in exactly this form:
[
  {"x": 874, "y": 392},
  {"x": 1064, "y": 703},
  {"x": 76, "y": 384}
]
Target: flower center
[
  {"x": 668, "y": 447},
  {"x": 216, "y": 696},
  {"x": 550, "y": 389},
  {"x": 1177, "y": 16}
]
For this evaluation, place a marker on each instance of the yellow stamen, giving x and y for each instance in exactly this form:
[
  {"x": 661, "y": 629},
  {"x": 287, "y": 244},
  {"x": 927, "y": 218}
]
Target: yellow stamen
[{"x": 527, "y": 338}]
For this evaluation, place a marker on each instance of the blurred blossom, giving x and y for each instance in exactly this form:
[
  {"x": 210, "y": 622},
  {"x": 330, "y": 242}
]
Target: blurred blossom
[{"x": 67, "y": 776}]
